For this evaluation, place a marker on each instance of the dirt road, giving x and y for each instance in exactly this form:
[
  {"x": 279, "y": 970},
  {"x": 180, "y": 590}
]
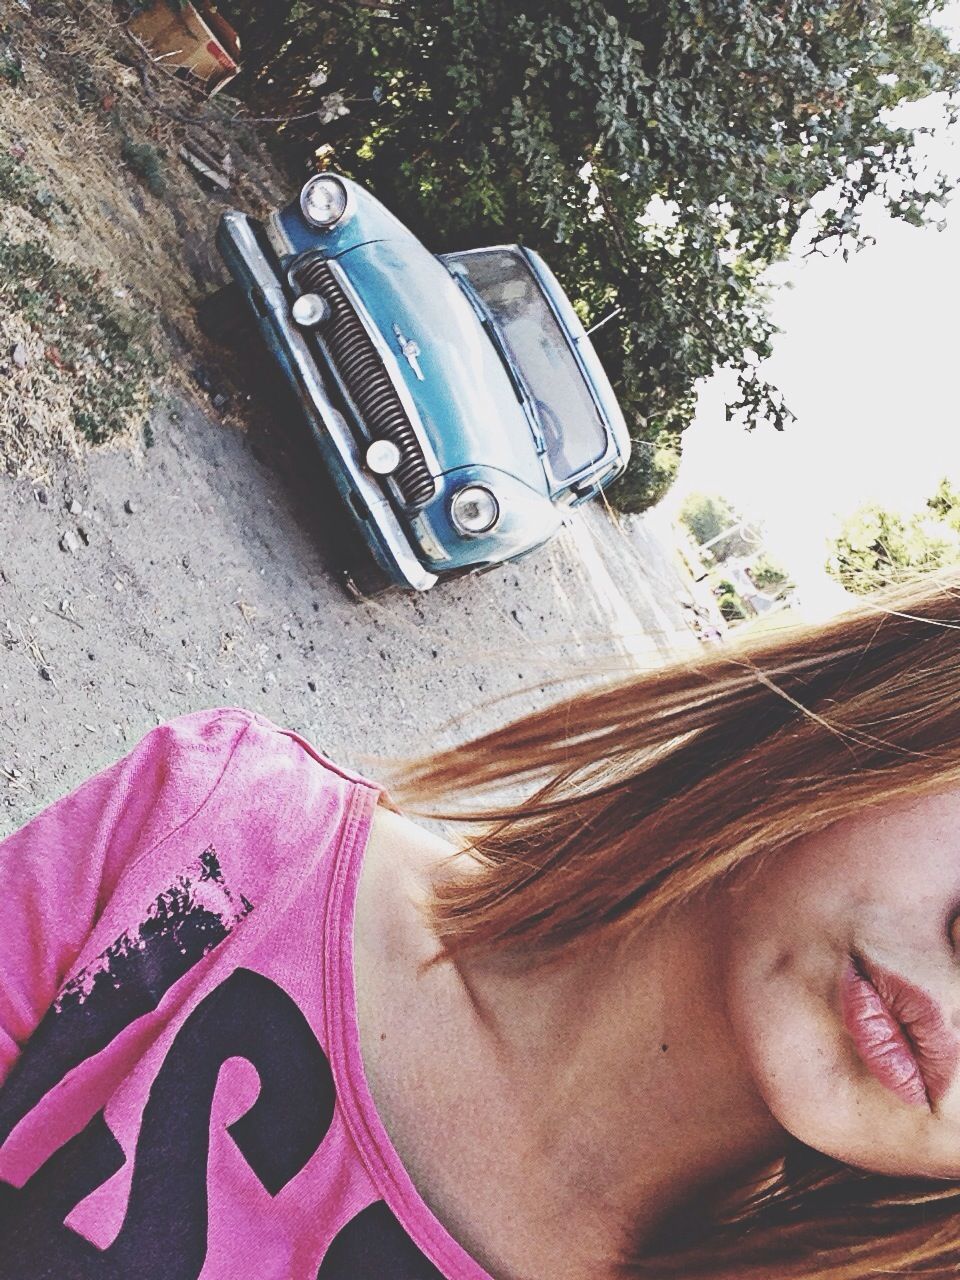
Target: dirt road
[{"x": 135, "y": 588}]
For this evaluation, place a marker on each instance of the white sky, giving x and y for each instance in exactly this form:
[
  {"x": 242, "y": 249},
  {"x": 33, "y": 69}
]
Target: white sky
[{"x": 868, "y": 360}]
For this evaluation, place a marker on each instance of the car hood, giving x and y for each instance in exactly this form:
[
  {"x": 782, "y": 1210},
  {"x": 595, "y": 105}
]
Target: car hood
[{"x": 466, "y": 398}]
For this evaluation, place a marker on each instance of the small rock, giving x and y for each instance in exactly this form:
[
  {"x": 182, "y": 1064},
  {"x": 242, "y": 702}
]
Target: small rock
[
  {"x": 45, "y": 673},
  {"x": 84, "y": 535},
  {"x": 20, "y": 356},
  {"x": 70, "y": 542},
  {"x": 74, "y": 508},
  {"x": 129, "y": 508},
  {"x": 312, "y": 686},
  {"x": 42, "y": 497}
]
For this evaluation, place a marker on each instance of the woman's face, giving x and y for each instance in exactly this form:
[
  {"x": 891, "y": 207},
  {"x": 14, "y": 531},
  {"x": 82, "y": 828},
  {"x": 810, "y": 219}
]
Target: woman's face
[{"x": 842, "y": 976}]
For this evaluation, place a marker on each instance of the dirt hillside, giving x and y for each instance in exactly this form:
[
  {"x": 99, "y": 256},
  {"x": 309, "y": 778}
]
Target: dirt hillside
[{"x": 105, "y": 231}]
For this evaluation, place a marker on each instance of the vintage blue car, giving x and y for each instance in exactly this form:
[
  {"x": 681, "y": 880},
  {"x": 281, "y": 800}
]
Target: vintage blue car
[{"x": 456, "y": 400}]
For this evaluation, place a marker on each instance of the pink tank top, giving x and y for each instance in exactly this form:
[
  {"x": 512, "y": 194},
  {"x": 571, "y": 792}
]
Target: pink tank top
[{"x": 181, "y": 1090}]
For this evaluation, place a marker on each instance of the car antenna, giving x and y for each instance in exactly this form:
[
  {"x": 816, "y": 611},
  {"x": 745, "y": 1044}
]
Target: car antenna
[{"x": 600, "y": 323}]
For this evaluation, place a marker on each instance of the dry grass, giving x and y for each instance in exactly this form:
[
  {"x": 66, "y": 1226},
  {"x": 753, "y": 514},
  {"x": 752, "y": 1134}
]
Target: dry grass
[{"x": 104, "y": 234}]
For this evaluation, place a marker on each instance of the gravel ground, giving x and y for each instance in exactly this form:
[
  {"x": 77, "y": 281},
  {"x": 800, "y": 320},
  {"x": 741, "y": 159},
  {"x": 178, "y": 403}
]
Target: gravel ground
[{"x": 203, "y": 572}]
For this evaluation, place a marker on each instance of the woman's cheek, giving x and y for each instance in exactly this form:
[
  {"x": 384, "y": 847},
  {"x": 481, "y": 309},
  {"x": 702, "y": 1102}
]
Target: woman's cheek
[{"x": 782, "y": 1009}]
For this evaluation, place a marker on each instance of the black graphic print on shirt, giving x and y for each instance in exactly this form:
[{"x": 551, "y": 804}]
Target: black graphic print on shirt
[
  {"x": 164, "y": 1232},
  {"x": 165, "y": 1229},
  {"x": 128, "y": 980},
  {"x": 373, "y": 1244}
]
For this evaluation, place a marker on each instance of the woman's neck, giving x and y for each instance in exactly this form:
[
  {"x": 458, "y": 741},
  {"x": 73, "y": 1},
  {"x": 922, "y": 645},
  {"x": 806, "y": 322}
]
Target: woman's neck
[
  {"x": 630, "y": 1066},
  {"x": 559, "y": 1112}
]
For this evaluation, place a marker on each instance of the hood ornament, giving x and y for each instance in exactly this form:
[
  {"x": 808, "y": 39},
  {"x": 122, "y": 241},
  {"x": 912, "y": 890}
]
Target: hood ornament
[{"x": 410, "y": 351}]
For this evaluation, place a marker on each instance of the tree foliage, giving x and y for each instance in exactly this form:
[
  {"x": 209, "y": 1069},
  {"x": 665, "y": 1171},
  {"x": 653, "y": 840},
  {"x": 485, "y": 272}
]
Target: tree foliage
[
  {"x": 661, "y": 155},
  {"x": 706, "y": 516},
  {"x": 771, "y": 578},
  {"x": 877, "y": 548},
  {"x": 731, "y": 607},
  {"x": 945, "y": 504}
]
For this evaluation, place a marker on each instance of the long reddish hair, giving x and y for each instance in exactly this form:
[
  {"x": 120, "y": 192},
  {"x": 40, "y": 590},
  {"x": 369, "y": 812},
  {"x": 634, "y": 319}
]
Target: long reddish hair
[{"x": 628, "y": 797}]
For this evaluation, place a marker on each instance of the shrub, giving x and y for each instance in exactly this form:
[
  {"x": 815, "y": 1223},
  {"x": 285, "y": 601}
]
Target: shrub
[{"x": 146, "y": 161}]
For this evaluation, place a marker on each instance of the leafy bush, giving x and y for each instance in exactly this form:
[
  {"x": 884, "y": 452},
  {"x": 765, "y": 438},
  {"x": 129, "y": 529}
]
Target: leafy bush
[
  {"x": 770, "y": 577},
  {"x": 706, "y": 516},
  {"x": 731, "y": 607},
  {"x": 146, "y": 161},
  {"x": 11, "y": 69},
  {"x": 877, "y": 548},
  {"x": 652, "y": 470}
]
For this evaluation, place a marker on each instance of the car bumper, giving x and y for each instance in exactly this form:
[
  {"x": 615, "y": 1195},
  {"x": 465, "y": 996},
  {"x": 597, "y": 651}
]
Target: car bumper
[{"x": 365, "y": 500}]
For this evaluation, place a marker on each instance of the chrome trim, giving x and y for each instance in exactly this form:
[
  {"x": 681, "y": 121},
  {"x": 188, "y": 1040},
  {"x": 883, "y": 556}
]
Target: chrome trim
[
  {"x": 349, "y": 206},
  {"x": 410, "y": 351},
  {"x": 280, "y": 242},
  {"x": 322, "y": 338},
  {"x": 430, "y": 544},
  {"x": 392, "y": 366},
  {"x": 325, "y": 419},
  {"x": 474, "y": 533}
]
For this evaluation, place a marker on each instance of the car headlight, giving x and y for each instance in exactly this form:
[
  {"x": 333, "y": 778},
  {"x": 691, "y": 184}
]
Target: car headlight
[
  {"x": 474, "y": 510},
  {"x": 324, "y": 201}
]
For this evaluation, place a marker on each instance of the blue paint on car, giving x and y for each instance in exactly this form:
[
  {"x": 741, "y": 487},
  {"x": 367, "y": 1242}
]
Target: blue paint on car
[{"x": 473, "y": 367}]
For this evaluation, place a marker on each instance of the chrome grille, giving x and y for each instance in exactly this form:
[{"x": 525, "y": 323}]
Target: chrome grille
[{"x": 367, "y": 382}]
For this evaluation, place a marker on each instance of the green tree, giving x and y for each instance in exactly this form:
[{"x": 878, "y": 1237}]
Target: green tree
[
  {"x": 730, "y": 605},
  {"x": 771, "y": 578},
  {"x": 661, "y": 155},
  {"x": 706, "y": 516},
  {"x": 945, "y": 503},
  {"x": 877, "y": 548}
]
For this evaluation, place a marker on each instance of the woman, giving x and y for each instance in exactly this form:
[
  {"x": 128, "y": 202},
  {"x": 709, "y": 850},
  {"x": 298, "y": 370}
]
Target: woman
[{"x": 692, "y": 1008}]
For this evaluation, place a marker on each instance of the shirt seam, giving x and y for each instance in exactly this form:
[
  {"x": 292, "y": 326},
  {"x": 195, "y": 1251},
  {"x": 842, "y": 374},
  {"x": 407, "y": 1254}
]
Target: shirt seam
[
  {"x": 405, "y": 1202},
  {"x": 250, "y": 719}
]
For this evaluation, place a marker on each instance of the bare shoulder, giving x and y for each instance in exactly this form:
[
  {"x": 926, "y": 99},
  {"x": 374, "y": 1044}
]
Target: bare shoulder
[
  {"x": 399, "y": 995},
  {"x": 402, "y": 861},
  {"x": 465, "y": 1122},
  {"x": 392, "y": 935}
]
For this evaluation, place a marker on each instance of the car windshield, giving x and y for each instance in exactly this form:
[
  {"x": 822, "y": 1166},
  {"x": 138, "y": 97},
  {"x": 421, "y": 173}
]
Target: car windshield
[{"x": 572, "y": 428}]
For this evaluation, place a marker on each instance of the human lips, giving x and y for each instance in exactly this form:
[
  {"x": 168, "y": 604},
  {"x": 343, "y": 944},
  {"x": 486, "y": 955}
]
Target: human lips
[{"x": 899, "y": 1032}]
